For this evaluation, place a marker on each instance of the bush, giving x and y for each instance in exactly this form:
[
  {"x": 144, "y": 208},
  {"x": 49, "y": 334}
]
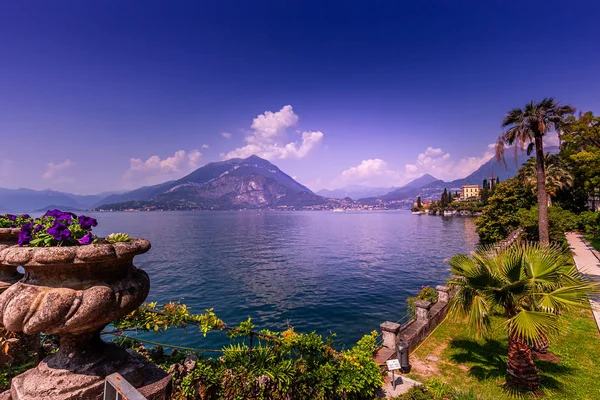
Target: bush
[
  {"x": 427, "y": 293},
  {"x": 589, "y": 222},
  {"x": 559, "y": 222}
]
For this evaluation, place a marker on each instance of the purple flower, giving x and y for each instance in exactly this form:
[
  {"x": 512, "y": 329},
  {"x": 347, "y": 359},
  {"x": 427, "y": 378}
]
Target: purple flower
[
  {"x": 25, "y": 234},
  {"x": 38, "y": 228},
  {"x": 87, "y": 222},
  {"x": 54, "y": 213},
  {"x": 24, "y": 238},
  {"x": 25, "y": 216},
  {"x": 87, "y": 239},
  {"x": 65, "y": 219},
  {"x": 11, "y": 217},
  {"x": 60, "y": 232}
]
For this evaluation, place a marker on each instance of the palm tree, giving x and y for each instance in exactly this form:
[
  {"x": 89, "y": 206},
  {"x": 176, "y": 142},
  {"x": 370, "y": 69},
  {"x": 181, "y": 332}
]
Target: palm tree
[
  {"x": 530, "y": 285},
  {"x": 527, "y": 126},
  {"x": 557, "y": 176}
]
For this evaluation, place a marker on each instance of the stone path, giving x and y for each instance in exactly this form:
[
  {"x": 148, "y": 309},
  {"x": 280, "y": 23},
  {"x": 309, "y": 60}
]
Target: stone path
[
  {"x": 587, "y": 260},
  {"x": 403, "y": 383}
]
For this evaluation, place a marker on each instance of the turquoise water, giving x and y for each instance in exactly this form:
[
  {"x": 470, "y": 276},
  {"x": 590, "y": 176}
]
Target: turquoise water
[{"x": 317, "y": 271}]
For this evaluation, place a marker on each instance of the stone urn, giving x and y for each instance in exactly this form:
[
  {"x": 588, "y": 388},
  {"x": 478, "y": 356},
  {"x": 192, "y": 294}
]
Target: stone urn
[
  {"x": 74, "y": 292},
  {"x": 8, "y": 273}
]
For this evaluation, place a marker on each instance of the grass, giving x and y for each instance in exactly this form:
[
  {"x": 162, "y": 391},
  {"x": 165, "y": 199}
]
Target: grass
[
  {"x": 480, "y": 364},
  {"x": 594, "y": 241}
]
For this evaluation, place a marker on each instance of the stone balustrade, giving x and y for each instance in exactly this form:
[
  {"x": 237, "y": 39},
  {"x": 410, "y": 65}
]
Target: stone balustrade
[{"x": 427, "y": 317}]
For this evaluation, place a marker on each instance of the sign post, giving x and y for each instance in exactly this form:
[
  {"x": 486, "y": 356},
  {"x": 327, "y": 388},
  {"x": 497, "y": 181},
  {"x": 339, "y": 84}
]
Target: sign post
[{"x": 392, "y": 366}]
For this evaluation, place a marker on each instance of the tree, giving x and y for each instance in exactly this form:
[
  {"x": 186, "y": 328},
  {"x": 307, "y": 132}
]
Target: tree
[
  {"x": 532, "y": 285},
  {"x": 485, "y": 184},
  {"x": 580, "y": 150},
  {"x": 499, "y": 216},
  {"x": 528, "y": 125},
  {"x": 497, "y": 181},
  {"x": 557, "y": 176},
  {"x": 419, "y": 204},
  {"x": 444, "y": 199}
]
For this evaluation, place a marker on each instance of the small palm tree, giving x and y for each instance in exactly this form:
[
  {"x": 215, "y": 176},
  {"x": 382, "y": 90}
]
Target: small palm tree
[
  {"x": 531, "y": 285},
  {"x": 527, "y": 126},
  {"x": 557, "y": 176}
]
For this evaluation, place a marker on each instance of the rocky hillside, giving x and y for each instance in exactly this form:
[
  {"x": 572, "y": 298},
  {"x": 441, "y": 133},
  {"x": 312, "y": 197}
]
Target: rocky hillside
[{"x": 233, "y": 184}]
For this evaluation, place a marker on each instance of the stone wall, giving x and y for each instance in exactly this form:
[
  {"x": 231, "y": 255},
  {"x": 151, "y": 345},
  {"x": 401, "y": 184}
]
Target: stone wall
[{"x": 428, "y": 317}]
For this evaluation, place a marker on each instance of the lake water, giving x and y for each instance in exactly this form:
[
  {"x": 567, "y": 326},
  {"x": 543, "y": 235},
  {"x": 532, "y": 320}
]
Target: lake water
[{"x": 317, "y": 271}]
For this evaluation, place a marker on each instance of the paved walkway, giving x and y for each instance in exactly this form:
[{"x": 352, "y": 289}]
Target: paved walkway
[
  {"x": 587, "y": 260},
  {"x": 403, "y": 384}
]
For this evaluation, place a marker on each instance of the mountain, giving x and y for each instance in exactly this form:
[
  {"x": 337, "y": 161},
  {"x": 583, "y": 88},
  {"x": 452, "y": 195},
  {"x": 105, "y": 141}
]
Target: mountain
[
  {"x": 354, "y": 192},
  {"x": 23, "y": 200},
  {"x": 420, "y": 182},
  {"x": 430, "y": 188},
  {"x": 233, "y": 184}
]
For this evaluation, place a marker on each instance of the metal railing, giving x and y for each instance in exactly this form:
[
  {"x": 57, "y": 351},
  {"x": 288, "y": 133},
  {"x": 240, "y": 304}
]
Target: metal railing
[{"x": 117, "y": 388}]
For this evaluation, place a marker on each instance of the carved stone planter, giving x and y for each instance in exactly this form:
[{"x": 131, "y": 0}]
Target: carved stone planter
[
  {"x": 74, "y": 292},
  {"x": 8, "y": 273}
]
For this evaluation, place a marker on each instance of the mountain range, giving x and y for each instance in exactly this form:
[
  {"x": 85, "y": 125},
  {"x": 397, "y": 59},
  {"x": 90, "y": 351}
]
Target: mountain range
[{"x": 249, "y": 183}]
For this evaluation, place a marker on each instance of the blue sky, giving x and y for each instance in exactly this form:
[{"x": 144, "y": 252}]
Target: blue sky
[{"x": 107, "y": 95}]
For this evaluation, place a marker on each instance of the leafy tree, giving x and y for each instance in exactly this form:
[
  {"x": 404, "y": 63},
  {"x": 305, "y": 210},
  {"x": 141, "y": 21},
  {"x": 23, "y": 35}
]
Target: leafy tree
[
  {"x": 499, "y": 216},
  {"x": 557, "y": 175},
  {"x": 531, "y": 285},
  {"x": 581, "y": 151},
  {"x": 419, "y": 204},
  {"x": 528, "y": 125},
  {"x": 497, "y": 181}
]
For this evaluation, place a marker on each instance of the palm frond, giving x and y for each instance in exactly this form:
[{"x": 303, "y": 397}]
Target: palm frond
[{"x": 533, "y": 326}]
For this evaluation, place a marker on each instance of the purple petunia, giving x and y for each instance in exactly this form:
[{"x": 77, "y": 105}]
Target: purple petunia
[
  {"x": 87, "y": 239},
  {"x": 24, "y": 238},
  {"x": 11, "y": 217},
  {"x": 87, "y": 222},
  {"x": 53, "y": 213},
  {"x": 25, "y": 216},
  {"x": 38, "y": 228},
  {"x": 65, "y": 219},
  {"x": 25, "y": 234},
  {"x": 60, "y": 232}
]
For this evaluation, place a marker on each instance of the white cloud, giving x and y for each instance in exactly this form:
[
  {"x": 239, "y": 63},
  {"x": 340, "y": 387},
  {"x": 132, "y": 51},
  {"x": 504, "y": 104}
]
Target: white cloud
[
  {"x": 440, "y": 164},
  {"x": 157, "y": 170},
  {"x": 226, "y": 135},
  {"x": 205, "y": 146},
  {"x": 268, "y": 137},
  {"x": 434, "y": 161},
  {"x": 53, "y": 170},
  {"x": 369, "y": 170}
]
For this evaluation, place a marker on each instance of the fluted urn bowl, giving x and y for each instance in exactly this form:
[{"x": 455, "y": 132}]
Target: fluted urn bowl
[
  {"x": 8, "y": 273},
  {"x": 73, "y": 292}
]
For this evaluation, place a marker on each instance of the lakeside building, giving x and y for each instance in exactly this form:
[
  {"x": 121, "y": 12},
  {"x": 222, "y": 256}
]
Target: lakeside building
[{"x": 469, "y": 192}]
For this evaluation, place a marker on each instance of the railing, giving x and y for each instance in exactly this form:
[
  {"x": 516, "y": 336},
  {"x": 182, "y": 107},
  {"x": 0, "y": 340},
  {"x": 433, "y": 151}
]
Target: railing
[
  {"x": 511, "y": 238},
  {"x": 117, "y": 388}
]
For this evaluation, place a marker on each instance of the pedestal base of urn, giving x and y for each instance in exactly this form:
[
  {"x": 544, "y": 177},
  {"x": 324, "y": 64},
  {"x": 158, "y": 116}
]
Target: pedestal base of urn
[{"x": 86, "y": 381}]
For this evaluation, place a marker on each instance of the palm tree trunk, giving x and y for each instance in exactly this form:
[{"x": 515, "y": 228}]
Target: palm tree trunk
[
  {"x": 542, "y": 196},
  {"x": 520, "y": 367}
]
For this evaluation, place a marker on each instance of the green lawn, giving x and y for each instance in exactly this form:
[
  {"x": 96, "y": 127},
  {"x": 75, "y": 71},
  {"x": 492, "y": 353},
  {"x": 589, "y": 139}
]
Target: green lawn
[
  {"x": 594, "y": 241},
  {"x": 480, "y": 364}
]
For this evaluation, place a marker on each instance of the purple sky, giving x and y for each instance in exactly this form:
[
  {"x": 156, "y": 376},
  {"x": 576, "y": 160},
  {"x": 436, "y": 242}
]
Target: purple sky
[{"x": 106, "y": 95}]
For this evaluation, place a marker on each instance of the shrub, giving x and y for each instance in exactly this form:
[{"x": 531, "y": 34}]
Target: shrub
[
  {"x": 427, "y": 293},
  {"x": 589, "y": 222},
  {"x": 559, "y": 222}
]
